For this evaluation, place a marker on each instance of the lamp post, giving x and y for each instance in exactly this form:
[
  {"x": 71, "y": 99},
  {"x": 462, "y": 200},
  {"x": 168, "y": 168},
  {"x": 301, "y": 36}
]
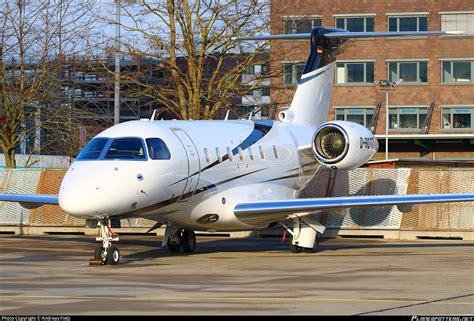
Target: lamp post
[
  {"x": 387, "y": 86},
  {"x": 117, "y": 64}
]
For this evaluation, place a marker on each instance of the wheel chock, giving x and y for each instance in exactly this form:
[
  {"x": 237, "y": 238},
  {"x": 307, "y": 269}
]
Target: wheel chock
[{"x": 95, "y": 262}]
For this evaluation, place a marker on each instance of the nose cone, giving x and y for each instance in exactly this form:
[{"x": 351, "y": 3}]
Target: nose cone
[
  {"x": 80, "y": 192},
  {"x": 92, "y": 188}
]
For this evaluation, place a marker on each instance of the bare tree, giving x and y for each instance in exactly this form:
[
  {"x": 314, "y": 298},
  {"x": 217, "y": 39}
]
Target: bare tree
[
  {"x": 193, "y": 47},
  {"x": 35, "y": 38}
]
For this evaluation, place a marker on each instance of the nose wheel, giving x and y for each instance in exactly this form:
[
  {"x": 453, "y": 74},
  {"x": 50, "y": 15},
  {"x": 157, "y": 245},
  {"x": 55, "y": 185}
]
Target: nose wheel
[{"x": 107, "y": 254}]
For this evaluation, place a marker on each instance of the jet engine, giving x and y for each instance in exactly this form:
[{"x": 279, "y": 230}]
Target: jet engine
[{"x": 343, "y": 145}]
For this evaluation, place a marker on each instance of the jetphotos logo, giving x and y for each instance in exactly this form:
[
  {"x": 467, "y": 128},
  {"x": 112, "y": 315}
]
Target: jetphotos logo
[{"x": 415, "y": 318}]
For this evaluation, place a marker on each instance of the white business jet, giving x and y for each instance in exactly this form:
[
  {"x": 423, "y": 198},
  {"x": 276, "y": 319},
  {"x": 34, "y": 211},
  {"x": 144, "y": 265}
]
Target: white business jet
[{"x": 229, "y": 175}]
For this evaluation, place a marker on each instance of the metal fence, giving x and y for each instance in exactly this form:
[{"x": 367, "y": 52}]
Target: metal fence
[{"x": 364, "y": 181}]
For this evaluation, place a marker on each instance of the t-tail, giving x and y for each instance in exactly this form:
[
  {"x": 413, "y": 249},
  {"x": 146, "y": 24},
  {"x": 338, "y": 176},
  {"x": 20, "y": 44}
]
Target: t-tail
[{"x": 311, "y": 102}]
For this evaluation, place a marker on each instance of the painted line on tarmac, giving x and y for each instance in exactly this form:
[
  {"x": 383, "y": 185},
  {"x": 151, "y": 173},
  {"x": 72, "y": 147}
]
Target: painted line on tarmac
[{"x": 217, "y": 299}]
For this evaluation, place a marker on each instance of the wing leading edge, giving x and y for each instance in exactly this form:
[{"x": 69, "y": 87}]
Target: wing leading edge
[
  {"x": 271, "y": 211},
  {"x": 30, "y": 201}
]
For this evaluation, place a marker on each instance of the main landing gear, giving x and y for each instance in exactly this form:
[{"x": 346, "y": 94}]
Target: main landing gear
[
  {"x": 107, "y": 253},
  {"x": 304, "y": 234},
  {"x": 177, "y": 238}
]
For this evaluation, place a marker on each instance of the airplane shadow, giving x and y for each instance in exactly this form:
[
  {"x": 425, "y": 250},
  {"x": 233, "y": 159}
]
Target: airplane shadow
[
  {"x": 275, "y": 245},
  {"x": 244, "y": 245}
]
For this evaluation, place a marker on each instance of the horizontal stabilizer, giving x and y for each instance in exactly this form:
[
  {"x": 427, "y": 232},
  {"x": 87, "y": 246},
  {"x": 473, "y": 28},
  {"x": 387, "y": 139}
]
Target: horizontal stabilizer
[{"x": 342, "y": 34}]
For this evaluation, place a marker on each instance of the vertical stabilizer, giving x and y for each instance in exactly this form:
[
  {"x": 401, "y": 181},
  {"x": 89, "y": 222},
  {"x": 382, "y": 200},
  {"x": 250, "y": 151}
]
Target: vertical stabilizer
[{"x": 310, "y": 105}]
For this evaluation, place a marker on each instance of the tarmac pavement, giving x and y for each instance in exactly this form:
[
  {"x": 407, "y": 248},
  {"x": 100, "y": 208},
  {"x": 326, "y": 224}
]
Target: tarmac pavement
[{"x": 51, "y": 276}]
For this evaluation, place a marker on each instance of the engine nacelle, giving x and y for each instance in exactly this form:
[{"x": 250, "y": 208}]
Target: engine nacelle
[{"x": 344, "y": 145}]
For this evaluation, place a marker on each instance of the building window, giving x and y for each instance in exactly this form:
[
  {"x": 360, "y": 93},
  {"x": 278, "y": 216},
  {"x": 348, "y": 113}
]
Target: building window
[
  {"x": 458, "y": 22},
  {"x": 301, "y": 24},
  {"x": 408, "y": 23},
  {"x": 457, "y": 71},
  {"x": 362, "y": 116},
  {"x": 457, "y": 118},
  {"x": 355, "y": 73},
  {"x": 412, "y": 72},
  {"x": 292, "y": 73},
  {"x": 407, "y": 118},
  {"x": 355, "y": 24}
]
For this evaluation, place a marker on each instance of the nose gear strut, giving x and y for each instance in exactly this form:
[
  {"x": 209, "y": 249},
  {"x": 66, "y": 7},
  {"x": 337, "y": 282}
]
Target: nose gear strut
[{"x": 107, "y": 253}]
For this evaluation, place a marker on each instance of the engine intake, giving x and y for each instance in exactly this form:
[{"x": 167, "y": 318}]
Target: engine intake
[
  {"x": 343, "y": 145},
  {"x": 331, "y": 144}
]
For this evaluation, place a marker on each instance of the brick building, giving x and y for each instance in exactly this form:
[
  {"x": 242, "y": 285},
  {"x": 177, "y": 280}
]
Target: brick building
[{"x": 431, "y": 113}]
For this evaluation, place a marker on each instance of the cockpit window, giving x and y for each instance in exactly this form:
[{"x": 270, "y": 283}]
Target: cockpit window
[
  {"x": 126, "y": 148},
  {"x": 157, "y": 149},
  {"x": 93, "y": 149}
]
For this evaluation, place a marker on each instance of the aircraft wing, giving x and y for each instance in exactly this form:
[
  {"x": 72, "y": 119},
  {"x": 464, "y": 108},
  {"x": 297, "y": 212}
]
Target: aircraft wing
[
  {"x": 271, "y": 211},
  {"x": 30, "y": 201}
]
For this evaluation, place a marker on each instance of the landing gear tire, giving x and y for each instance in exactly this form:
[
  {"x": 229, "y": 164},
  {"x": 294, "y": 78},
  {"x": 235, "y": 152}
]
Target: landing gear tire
[
  {"x": 295, "y": 248},
  {"x": 188, "y": 241},
  {"x": 113, "y": 256},
  {"x": 173, "y": 248},
  {"x": 98, "y": 253}
]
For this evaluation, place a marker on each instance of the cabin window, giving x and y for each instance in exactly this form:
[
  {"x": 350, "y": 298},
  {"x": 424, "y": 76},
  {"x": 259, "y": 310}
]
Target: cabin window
[
  {"x": 218, "y": 154},
  {"x": 207, "y": 155},
  {"x": 229, "y": 154},
  {"x": 275, "y": 151},
  {"x": 93, "y": 149},
  {"x": 262, "y": 152},
  {"x": 251, "y": 154},
  {"x": 157, "y": 149},
  {"x": 126, "y": 149},
  {"x": 241, "y": 153}
]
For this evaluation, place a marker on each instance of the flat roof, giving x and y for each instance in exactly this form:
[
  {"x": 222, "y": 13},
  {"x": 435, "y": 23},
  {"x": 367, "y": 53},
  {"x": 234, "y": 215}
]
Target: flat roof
[
  {"x": 401, "y": 162},
  {"x": 426, "y": 136}
]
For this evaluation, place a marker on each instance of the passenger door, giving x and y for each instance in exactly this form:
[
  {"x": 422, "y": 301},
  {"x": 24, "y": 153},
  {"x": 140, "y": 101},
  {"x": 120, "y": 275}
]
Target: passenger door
[{"x": 194, "y": 166}]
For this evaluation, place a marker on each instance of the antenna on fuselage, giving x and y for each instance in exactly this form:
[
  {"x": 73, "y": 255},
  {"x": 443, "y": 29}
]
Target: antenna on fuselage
[
  {"x": 152, "y": 118},
  {"x": 227, "y": 115}
]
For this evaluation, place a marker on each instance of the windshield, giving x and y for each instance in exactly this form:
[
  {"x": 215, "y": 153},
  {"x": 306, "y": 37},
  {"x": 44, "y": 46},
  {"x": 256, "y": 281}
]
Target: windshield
[
  {"x": 126, "y": 148},
  {"x": 157, "y": 149},
  {"x": 93, "y": 149}
]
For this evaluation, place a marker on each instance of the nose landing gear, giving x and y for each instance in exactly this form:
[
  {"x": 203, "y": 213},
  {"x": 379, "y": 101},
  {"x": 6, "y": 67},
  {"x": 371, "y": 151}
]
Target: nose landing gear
[{"x": 107, "y": 253}]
